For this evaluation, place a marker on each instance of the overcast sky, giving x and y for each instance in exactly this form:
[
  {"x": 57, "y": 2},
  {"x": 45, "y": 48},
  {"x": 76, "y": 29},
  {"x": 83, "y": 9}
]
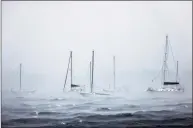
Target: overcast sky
[{"x": 40, "y": 35}]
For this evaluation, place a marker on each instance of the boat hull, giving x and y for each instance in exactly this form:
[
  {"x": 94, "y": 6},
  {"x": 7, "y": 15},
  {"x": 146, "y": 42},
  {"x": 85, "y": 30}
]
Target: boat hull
[
  {"x": 22, "y": 91},
  {"x": 178, "y": 89},
  {"x": 94, "y": 94}
]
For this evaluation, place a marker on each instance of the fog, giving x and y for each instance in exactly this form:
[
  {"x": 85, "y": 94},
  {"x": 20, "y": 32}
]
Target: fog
[{"x": 40, "y": 35}]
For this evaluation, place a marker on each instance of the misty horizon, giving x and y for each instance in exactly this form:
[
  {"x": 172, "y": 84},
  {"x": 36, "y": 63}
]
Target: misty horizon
[{"x": 40, "y": 35}]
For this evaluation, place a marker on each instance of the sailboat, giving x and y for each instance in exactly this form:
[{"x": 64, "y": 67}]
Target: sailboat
[
  {"x": 110, "y": 89},
  {"x": 168, "y": 86},
  {"x": 81, "y": 88},
  {"x": 20, "y": 85},
  {"x": 91, "y": 69},
  {"x": 92, "y": 92},
  {"x": 92, "y": 79},
  {"x": 73, "y": 87}
]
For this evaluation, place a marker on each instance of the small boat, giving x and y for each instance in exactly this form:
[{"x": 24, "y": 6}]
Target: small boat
[
  {"x": 110, "y": 90},
  {"x": 167, "y": 86},
  {"x": 21, "y": 91},
  {"x": 92, "y": 80},
  {"x": 73, "y": 87}
]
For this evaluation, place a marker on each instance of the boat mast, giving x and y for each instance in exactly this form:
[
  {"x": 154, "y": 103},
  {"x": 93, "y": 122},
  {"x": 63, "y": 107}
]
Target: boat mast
[
  {"x": 67, "y": 71},
  {"x": 92, "y": 70},
  {"x": 114, "y": 71},
  {"x": 165, "y": 59},
  {"x": 20, "y": 75},
  {"x": 71, "y": 70},
  {"x": 90, "y": 77},
  {"x": 177, "y": 72}
]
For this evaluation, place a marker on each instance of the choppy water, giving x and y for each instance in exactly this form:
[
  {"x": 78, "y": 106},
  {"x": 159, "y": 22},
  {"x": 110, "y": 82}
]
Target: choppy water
[{"x": 76, "y": 111}]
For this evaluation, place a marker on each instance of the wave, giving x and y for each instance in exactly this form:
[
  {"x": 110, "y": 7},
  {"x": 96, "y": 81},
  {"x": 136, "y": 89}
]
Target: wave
[
  {"x": 139, "y": 119},
  {"x": 131, "y": 106},
  {"x": 46, "y": 113},
  {"x": 103, "y": 109},
  {"x": 104, "y": 112},
  {"x": 58, "y": 99}
]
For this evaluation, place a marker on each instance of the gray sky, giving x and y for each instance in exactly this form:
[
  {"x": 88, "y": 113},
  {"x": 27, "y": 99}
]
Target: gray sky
[{"x": 41, "y": 34}]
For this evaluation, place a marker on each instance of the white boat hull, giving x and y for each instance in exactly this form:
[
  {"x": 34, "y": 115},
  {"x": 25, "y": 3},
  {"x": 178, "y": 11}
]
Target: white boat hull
[
  {"x": 22, "y": 91},
  {"x": 175, "y": 89},
  {"x": 89, "y": 94}
]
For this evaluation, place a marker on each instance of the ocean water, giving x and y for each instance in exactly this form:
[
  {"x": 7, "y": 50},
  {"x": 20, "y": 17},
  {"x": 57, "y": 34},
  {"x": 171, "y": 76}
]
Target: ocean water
[{"x": 119, "y": 110}]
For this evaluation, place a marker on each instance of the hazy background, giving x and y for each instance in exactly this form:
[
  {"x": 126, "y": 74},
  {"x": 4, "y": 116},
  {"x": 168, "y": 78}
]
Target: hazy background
[{"x": 40, "y": 35}]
